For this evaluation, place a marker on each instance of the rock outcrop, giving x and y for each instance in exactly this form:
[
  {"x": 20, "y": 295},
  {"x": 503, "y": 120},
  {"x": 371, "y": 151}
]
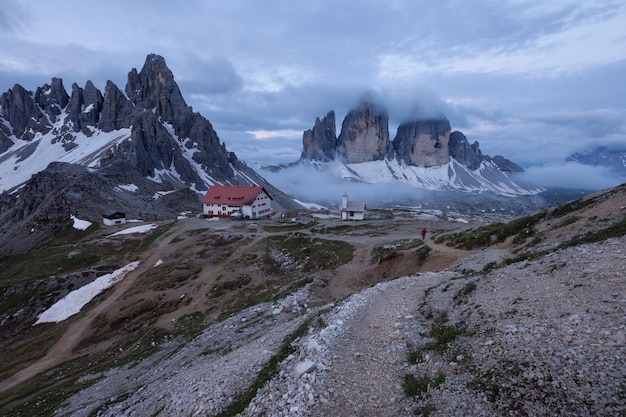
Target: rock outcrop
[
  {"x": 505, "y": 165},
  {"x": 52, "y": 98},
  {"x": 461, "y": 150},
  {"x": 320, "y": 143},
  {"x": 84, "y": 108},
  {"x": 365, "y": 135},
  {"x": 22, "y": 114},
  {"x": 116, "y": 109},
  {"x": 423, "y": 142}
]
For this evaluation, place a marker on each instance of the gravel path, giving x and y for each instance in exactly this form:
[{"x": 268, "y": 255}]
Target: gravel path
[{"x": 352, "y": 362}]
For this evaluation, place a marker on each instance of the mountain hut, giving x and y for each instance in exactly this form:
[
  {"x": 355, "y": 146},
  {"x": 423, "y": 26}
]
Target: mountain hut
[{"x": 237, "y": 201}]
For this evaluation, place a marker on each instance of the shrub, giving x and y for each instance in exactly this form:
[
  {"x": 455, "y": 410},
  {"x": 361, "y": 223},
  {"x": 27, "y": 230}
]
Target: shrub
[
  {"x": 443, "y": 335},
  {"x": 413, "y": 386}
]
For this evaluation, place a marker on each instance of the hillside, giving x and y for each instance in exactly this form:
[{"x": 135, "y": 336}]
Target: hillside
[{"x": 521, "y": 317}]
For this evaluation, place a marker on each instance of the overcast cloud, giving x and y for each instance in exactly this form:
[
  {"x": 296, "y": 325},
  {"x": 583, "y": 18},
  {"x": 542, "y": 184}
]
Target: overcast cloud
[{"x": 531, "y": 80}]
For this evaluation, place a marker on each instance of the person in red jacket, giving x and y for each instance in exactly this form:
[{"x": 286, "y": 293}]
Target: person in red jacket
[{"x": 424, "y": 233}]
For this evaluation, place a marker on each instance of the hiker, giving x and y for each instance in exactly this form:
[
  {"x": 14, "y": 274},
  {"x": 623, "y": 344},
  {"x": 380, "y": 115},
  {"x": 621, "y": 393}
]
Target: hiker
[{"x": 424, "y": 233}]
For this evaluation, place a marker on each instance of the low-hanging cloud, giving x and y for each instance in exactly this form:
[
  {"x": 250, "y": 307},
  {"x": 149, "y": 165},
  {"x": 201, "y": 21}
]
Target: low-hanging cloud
[
  {"x": 309, "y": 184},
  {"x": 572, "y": 175}
]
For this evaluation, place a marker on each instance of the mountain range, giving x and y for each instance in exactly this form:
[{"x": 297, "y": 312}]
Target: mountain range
[
  {"x": 614, "y": 159},
  {"x": 425, "y": 154},
  {"x": 90, "y": 152}
]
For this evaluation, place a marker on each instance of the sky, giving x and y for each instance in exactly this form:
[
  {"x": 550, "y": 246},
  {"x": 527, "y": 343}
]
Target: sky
[{"x": 534, "y": 81}]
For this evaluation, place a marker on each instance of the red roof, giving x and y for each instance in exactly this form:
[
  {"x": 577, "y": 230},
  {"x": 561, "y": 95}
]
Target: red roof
[{"x": 233, "y": 195}]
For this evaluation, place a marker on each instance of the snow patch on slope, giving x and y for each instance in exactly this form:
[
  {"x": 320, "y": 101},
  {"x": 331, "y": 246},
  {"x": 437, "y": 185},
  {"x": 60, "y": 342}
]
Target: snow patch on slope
[
  {"x": 74, "y": 302},
  {"x": 26, "y": 158}
]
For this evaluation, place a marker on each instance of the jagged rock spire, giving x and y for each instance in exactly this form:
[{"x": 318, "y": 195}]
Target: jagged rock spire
[
  {"x": 320, "y": 143},
  {"x": 461, "y": 150}
]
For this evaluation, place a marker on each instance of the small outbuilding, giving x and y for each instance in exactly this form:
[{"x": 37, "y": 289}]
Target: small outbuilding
[
  {"x": 237, "y": 201},
  {"x": 114, "y": 218},
  {"x": 352, "y": 210}
]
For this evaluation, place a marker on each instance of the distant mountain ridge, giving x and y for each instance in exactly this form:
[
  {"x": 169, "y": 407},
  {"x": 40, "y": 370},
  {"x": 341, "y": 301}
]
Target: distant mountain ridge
[
  {"x": 425, "y": 153},
  {"x": 88, "y": 153},
  {"x": 614, "y": 159}
]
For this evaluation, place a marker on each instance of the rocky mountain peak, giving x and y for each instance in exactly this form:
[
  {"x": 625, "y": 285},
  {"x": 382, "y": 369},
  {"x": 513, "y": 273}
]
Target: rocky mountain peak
[
  {"x": 20, "y": 110},
  {"x": 152, "y": 98},
  {"x": 116, "y": 109},
  {"x": 154, "y": 88},
  {"x": 84, "y": 108},
  {"x": 364, "y": 135},
  {"x": 320, "y": 143},
  {"x": 423, "y": 142},
  {"x": 461, "y": 150},
  {"x": 609, "y": 157},
  {"x": 505, "y": 165},
  {"x": 52, "y": 98}
]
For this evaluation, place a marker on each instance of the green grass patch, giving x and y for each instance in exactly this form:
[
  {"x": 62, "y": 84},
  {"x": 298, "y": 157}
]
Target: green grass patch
[
  {"x": 414, "y": 386},
  {"x": 383, "y": 252},
  {"x": 615, "y": 230},
  {"x": 443, "y": 335},
  {"x": 416, "y": 356},
  {"x": 311, "y": 254},
  {"x": 354, "y": 229},
  {"x": 490, "y": 388},
  {"x": 490, "y": 266},
  {"x": 33, "y": 346},
  {"x": 52, "y": 388},
  {"x": 483, "y": 236},
  {"x": 567, "y": 221},
  {"x": 169, "y": 275},
  {"x": 221, "y": 288},
  {"x": 569, "y": 207},
  {"x": 461, "y": 296}
]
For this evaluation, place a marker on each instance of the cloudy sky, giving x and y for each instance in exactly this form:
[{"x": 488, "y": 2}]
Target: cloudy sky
[{"x": 531, "y": 80}]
